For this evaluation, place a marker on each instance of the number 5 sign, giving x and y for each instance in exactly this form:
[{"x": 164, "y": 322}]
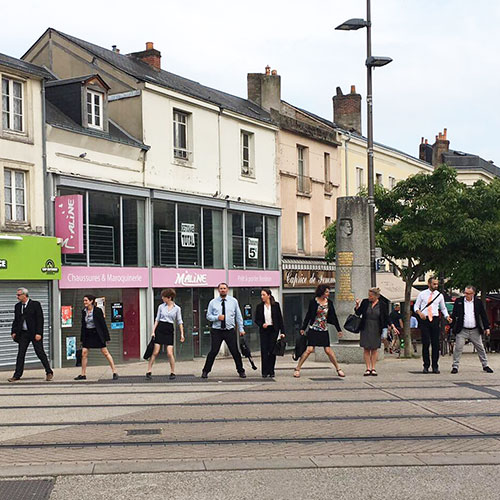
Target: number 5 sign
[{"x": 253, "y": 248}]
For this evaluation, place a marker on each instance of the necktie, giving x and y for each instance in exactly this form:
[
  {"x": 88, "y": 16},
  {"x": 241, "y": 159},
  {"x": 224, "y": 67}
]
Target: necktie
[
  {"x": 223, "y": 322},
  {"x": 23, "y": 308},
  {"x": 429, "y": 307}
]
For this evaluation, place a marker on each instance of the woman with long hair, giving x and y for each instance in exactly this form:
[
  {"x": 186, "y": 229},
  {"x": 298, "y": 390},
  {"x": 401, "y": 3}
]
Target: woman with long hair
[
  {"x": 269, "y": 319},
  {"x": 168, "y": 314},
  {"x": 94, "y": 335},
  {"x": 320, "y": 313}
]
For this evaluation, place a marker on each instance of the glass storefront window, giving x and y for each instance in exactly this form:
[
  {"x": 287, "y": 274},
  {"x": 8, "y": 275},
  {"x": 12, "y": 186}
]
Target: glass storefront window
[
  {"x": 235, "y": 237},
  {"x": 188, "y": 236},
  {"x": 212, "y": 239},
  {"x": 164, "y": 233},
  {"x": 134, "y": 238},
  {"x": 272, "y": 249},
  {"x": 254, "y": 241},
  {"x": 77, "y": 259}
]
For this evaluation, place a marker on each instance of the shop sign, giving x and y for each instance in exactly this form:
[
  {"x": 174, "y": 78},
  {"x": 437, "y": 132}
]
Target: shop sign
[
  {"x": 117, "y": 315},
  {"x": 67, "y": 317},
  {"x": 187, "y": 235},
  {"x": 254, "y": 278},
  {"x": 30, "y": 258},
  {"x": 253, "y": 248},
  {"x": 104, "y": 277},
  {"x": 170, "y": 277},
  {"x": 69, "y": 222},
  {"x": 307, "y": 279}
]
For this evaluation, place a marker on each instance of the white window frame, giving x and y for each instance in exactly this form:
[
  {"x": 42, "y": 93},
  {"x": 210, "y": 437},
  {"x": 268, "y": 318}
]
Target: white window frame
[
  {"x": 181, "y": 153},
  {"x": 359, "y": 179},
  {"x": 10, "y": 111},
  {"x": 91, "y": 117},
  {"x": 247, "y": 165},
  {"x": 392, "y": 182},
  {"x": 13, "y": 191}
]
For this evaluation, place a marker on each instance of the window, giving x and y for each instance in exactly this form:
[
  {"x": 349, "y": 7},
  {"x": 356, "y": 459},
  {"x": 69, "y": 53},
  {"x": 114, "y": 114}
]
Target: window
[
  {"x": 12, "y": 105},
  {"x": 328, "y": 221},
  {"x": 188, "y": 236},
  {"x": 235, "y": 233},
  {"x": 164, "y": 233},
  {"x": 359, "y": 179},
  {"x": 379, "y": 179},
  {"x": 301, "y": 229},
  {"x": 254, "y": 241},
  {"x": 134, "y": 237},
  {"x": 303, "y": 181},
  {"x": 247, "y": 162},
  {"x": 181, "y": 135},
  {"x": 212, "y": 239},
  {"x": 15, "y": 195},
  {"x": 271, "y": 242},
  {"x": 326, "y": 162},
  {"x": 392, "y": 182},
  {"x": 94, "y": 109}
]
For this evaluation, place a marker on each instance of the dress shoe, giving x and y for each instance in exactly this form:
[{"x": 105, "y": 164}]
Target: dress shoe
[
  {"x": 487, "y": 369},
  {"x": 172, "y": 376},
  {"x": 436, "y": 371},
  {"x": 425, "y": 370},
  {"x": 204, "y": 375},
  {"x": 13, "y": 379},
  {"x": 49, "y": 377},
  {"x": 242, "y": 375},
  {"x": 81, "y": 377},
  {"x": 149, "y": 376},
  {"x": 272, "y": 375},
  {"x": 454, "y": 370},
  {"x": 115, "y": 376}
]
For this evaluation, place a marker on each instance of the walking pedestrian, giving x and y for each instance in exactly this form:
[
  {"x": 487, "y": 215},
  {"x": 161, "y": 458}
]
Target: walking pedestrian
[
  {"x": 269, "y": 319},
  {"x": 94, "y": 335},
  {"x": 28, "y": 327},
  {"x": 319, "y": 313},
  {"x": 470, "y": 321},
  {"x": 374, "y": 318},
  {"x": 427, "y": 306},
  {"x": 168, "y": 314},
  {"x": 225, "y": 315}
]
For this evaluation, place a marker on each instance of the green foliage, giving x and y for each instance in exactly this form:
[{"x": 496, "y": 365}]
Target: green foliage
[{"x": 330, "y": 235}]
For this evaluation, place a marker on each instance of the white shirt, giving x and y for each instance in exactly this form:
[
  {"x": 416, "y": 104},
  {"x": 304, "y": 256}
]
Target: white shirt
[
  {"x": 469, "y": 318},
  {"x": 436, "y": 306},
  {"x": 23, "y": 308},
  {"x": 268, "y": 319},
  {"x": 169, "y": 315}
]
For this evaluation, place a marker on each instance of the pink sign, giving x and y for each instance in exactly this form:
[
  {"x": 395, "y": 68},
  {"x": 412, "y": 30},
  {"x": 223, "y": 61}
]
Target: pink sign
[
  {"x": 171, "y": 277},
  {"x": 69, "y": 222},
  {"x": 104, "y": 277},
  {"x": 254, "y": 278}
]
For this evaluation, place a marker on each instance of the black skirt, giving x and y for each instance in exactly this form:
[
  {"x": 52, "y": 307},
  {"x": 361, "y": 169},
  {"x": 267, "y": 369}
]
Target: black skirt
[
  {"x": 164, "y": 333},
  {"x": 318, "y": 338},
  {"x": 91, "y": 339}
]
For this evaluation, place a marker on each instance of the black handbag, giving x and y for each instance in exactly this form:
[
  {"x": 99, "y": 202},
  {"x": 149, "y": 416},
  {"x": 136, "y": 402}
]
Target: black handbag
[
  {"x": 352, "y": 323},
  {"x": 300, "y": 346},
  {"x": 149, "y": 349},
  {"x": 279, "y": 347}
]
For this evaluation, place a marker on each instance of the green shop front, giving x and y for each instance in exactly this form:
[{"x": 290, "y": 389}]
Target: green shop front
[{"x": 31, "y": 262}]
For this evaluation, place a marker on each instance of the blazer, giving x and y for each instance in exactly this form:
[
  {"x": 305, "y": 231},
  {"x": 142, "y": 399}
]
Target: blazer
[
  {"x": 33, "y": 315},
  {"x": 100, "y": 325},
  {"x": 276, "y": 316},
  {"x": 313, "y": 309},
  {"x": 458, "y": 315},
  {"x": 384, "y": 314}
]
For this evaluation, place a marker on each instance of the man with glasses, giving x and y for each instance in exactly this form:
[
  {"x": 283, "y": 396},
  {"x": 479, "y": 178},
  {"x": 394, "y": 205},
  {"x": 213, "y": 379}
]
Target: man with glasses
[
  {"x": 28, "y": 327},
  {"x": 469, "y": 322}
]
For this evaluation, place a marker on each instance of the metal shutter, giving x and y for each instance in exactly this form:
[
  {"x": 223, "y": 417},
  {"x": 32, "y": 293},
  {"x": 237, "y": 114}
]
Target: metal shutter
[{"x": 39, "y": 290}]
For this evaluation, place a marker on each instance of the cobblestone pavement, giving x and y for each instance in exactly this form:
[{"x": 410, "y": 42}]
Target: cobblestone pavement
[{"x": 225, "y": 423}]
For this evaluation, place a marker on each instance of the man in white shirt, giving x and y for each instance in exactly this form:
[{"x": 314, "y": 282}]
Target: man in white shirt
[
  {"x": 469, "y": 322},
  {"x": 427, "y": 306}
]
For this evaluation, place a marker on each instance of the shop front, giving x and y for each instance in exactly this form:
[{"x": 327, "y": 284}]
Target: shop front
[
  {"x": 32, "y": 262},
  {"x": 300, "y": 278}
]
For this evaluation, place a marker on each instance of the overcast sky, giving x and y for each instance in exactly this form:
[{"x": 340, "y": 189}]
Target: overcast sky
[{"x": 445, "y": 71}]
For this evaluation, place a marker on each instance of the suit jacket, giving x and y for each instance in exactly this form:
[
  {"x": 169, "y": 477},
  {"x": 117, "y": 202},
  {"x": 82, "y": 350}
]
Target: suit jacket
[
  {"x": 458, "y": 315},
  {"x": 33, "y": 315},
  {"x": 100, "y": 325},
  {"x": 313, "y": 309},
  {"x": 276, "y": 316},
  {"x": 384, "y": 320}
]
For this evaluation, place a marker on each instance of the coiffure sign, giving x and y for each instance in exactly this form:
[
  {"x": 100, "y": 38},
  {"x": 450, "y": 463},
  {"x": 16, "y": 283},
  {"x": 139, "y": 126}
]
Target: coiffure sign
[
  {"x": 187, "y": 277},
  {"x": 69, "y": 222}
]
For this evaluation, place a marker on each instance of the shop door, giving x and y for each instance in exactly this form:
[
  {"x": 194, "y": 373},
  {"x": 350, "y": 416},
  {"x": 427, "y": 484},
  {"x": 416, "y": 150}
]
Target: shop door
[
  {"x": 205, "y": 296},
  {"x": 131, "y": 324},
  {"x": 292, "y": 316},
  {"x": 39, "y": 290}
]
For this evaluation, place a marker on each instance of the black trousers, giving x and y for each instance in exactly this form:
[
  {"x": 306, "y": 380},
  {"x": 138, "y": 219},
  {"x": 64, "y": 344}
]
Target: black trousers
[
  {"x": 230, "y": 338},
  {"x": 267, "y": 342},
  {"x": 430, "y": 337},
  {"x": 24, "y": 340}
]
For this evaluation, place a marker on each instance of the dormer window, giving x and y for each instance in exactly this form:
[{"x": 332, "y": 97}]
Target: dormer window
[{"x": 95, "y": 109}]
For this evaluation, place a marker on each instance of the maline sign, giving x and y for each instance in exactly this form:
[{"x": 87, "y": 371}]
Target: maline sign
[{"x": 69, "y": 222}]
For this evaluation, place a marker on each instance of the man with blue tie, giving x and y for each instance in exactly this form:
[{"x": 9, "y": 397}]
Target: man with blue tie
[{"x": 225, "y": 315}]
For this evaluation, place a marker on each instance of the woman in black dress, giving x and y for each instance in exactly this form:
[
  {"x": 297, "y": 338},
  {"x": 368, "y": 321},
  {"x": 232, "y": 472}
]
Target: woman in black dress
[
  {"x": 374, "y": 318},
  {"x": 319, "y": 313},
  {"x": 94, "y": 335},
  {"x": 269, "y": 319}
]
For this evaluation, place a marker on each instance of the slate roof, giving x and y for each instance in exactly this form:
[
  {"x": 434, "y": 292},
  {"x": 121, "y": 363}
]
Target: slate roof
[
  {"x": 55, "y": 117},
  {"x": 461, "y": 160},
  {"x": 25, "y": 67},
  {"x": 143, "y": 72},
  {"x": 77, "y": 79}
]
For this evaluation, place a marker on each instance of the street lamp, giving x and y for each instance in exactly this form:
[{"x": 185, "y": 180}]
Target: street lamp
[{"x": 371, "y": 62}]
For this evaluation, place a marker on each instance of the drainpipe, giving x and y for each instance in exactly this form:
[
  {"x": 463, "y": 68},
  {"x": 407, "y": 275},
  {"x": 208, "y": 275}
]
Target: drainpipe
[
  {"x": 219, "y": 172},
  {"x": 346, "y": 166}
]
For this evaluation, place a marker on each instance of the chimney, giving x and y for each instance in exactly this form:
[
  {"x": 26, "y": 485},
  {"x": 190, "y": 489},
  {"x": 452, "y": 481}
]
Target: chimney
[
  {"x": 150, "y": 56},
  {"x": 442, "y": 145},
  {"x": 114, "y": 48},
  {"x": 347, "y": 110},
  {"x": 425, "y": 151},
  {"x": 265, "y": 89}
]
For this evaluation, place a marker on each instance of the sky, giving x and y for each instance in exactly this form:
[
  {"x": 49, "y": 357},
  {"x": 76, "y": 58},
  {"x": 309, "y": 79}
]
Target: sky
[{"x": 445, "y": 70}]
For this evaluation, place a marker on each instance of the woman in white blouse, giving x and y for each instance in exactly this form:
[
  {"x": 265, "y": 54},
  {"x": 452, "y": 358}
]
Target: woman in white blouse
[{"x": 168, "y": 314}]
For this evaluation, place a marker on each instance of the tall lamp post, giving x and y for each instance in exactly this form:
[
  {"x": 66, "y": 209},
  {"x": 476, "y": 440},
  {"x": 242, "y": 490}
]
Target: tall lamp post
[{"x": 371, "y": 62}]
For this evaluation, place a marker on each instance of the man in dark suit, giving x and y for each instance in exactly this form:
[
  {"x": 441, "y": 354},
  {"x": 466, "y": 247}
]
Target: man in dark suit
[
  {"x": 470, "y": 321},
  {"x": 28, "y": 327}
]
